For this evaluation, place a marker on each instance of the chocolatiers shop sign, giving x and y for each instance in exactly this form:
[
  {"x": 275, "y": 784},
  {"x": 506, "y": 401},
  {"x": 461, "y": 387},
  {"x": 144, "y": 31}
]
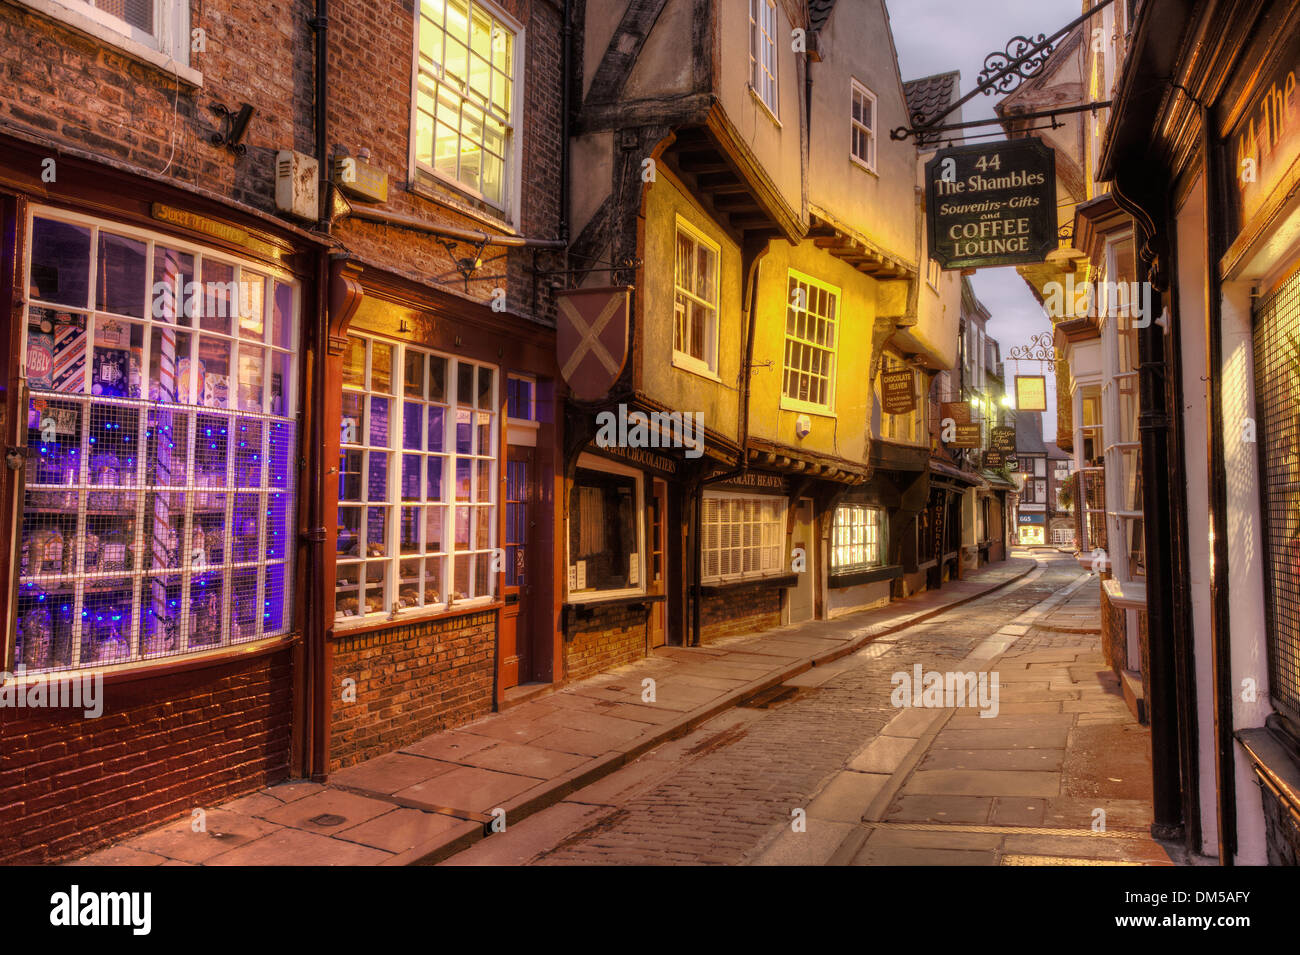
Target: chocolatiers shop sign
[
  {"x": 897, "y": 391},
  {"x": 991, "y": 204}
]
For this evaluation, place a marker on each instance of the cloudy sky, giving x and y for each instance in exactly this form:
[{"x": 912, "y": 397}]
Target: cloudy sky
[{"x": 934, "y": 36}]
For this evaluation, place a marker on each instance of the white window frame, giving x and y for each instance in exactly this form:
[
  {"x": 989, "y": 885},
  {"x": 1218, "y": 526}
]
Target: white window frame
[
  {"x": 394, "y": 502},
  {"x": 591, "y": 462},
  {"x": 508, "y": 208},
  {"x": 851, "y": 521},
  {"x": 867, "y": 162},
  {"x": 167, "y": 47},
  {"x": 1115, "y": 323},
  {"x": 788, "y": 402},
  {"x": 191, "y": 409},
  {"x": 708, "y": 366},
  {"x": 771, "y": 560},
  {"x": 763, "y": 60}
]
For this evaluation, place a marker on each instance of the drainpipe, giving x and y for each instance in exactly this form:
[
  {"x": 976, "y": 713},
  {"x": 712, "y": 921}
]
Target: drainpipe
[
  {"x": 1155, "y": 423},
  {"x": 1224, "y": 763},
  {"x": 566, "y": 79},
  {"x": 315, "y": 625}
]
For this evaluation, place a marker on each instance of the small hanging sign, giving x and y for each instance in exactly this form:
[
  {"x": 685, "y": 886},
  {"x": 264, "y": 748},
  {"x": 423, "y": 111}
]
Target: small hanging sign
[
  {"x": 1031, "y": 392},
  {"x": 897, "y": 392}
]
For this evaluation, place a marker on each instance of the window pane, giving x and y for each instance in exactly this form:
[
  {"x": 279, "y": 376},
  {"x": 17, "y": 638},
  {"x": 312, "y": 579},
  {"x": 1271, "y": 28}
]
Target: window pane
[
  {"x": 60, "y": 269},
  {"x": 120, "y": 278}
]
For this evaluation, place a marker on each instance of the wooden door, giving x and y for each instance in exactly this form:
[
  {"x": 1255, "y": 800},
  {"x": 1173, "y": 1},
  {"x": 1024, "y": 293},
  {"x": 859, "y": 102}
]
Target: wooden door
[
  {"x": 658, "y": 570},
  {"x": 516, "y": 628},
  {"x": 801, "y": 594}
]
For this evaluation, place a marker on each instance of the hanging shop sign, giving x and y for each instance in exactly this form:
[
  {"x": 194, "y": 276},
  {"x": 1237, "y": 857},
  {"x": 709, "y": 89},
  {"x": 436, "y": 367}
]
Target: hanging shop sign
[
  {"x": 1003, "y": 438},
  {"x": 1031, "y": 392},
  {"x": 898, "y": 392},
  {"x": 994, "y": 459},
  {"x": 958, "y": 411},
  {"x": 991, "y": 204},
  {"x": 1013, "y": 463},
  {"x": 966, "y": 436},
  {"x": 591, "y": 338}
]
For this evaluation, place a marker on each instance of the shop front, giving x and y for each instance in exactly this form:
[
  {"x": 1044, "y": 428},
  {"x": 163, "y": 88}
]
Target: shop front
[
  {"x": 153, "y": 406},
  {"x": 1031, "y": 528},
  {"x": 440, "y": 601}
]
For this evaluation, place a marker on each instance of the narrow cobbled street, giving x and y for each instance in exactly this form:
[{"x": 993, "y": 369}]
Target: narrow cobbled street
[{"x": 882, "y": 785}]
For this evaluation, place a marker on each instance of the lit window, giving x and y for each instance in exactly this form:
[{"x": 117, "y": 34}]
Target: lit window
[
  {"x": 695, "y": 307},
  {"x": 742, "y": 536},
  {"x": 417, "y": 480},
  {"x": 605, "y": 530},
  {"x": 855, "y": 537},
  {"x": 158, "y": 518},
  {"x": 863, "y": 126},
  {"x": 811, "y": 314},
  {"x": 762, "y": 51},
  {"x": 464, "y": 101}
]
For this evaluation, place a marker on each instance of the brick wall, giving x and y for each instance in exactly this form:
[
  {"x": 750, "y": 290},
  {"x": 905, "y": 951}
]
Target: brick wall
[
  {"x": 610, "y": 637},
  {"x": 410, "y": 681},
  {"x": 737, "y": 612},
  {"x": 64, "y": 86},
  {"x": 162, "y": 748}
]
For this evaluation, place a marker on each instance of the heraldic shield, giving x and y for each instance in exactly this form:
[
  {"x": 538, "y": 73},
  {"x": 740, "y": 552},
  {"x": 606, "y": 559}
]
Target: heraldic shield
[{"x": 591, "y": 338}]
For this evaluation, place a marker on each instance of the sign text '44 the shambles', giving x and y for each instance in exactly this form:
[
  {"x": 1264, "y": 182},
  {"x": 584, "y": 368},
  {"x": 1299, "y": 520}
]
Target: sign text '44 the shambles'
[{"x": 991, "y": 204}]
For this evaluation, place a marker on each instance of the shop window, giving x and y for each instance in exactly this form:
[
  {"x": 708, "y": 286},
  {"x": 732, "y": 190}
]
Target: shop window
[
  {"x": 856, "y": 538},
  {"x": 158, "y": 511},
  {"x": 812, "y": 310},
  {"x": 863, "y": 127},
  {"x": 1277, "y": 396},
  {"x": 465, "y": 99},
  {"x": 741, "y": 536},
  {"x": 417, "y": 481},
  {"x": 605, "y": 534},
  {"x": 762, "y": 52},
  {"x": 695, "y": 306}
]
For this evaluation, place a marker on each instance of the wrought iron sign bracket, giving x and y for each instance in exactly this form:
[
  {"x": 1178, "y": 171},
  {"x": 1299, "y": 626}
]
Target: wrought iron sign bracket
[
  {"x": 466, "y": 265},
  {"x": 1041, "y": 348},
  {"x": 1004, "y": 71}
]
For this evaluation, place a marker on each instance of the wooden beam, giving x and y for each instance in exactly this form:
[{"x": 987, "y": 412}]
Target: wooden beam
[{"x": 621, "y": 52}]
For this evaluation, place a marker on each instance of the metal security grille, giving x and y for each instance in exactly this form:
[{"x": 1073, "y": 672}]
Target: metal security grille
[{"x": 1277, "y": 395}]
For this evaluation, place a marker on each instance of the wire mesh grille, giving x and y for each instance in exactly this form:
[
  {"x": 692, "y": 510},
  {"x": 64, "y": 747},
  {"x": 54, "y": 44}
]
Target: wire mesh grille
[
  {"x": 151, "y": 530},
  {"x": 1277, "y": 394}
]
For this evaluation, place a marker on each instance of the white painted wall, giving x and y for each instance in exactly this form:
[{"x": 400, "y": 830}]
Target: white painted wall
[{"x": 1192, "y": 305}]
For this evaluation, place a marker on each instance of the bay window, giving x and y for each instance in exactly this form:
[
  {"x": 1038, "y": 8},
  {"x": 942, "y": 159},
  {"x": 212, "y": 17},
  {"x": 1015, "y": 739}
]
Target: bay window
[
  {"x": 741, "y": 536},
  {"x": 158, "y": 510},
  {"x": 856, "y": 538},
  {"x": 417, "y": 480},
  {"x": 606, "y": 537}
]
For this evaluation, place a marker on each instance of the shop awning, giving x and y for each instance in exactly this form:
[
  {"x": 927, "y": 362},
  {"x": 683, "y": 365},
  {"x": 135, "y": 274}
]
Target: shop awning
[
  {"x": 970, "y": 478},
  {"x": 997, "y": 481}
]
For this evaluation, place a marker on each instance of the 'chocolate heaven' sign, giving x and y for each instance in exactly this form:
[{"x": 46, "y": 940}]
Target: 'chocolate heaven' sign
[{"x": 991, "y": 204}]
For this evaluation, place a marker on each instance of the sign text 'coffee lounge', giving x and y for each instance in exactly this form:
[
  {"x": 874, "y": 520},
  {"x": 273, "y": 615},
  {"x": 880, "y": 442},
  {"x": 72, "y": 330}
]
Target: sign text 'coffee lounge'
[{"x": 991, "y": 204}]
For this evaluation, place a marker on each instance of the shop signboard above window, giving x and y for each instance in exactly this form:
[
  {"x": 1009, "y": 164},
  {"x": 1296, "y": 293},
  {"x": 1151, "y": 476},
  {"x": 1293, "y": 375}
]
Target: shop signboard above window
[
  {"x": 991, "y": 204},
  {"x": 1265, "y": 145},
  {"x": 158, "y": 510}
]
